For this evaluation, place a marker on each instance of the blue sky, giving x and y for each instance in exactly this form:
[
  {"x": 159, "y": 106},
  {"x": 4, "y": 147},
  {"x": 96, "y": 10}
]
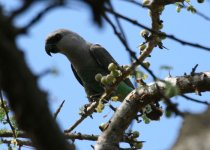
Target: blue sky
[{"x": 158, "y": 135}]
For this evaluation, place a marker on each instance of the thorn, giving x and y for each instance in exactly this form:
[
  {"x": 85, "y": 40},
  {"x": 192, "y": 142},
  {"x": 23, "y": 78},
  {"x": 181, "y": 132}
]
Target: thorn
[
  {"x": 193, "y": 70},
  {"x": 197, "y": 92},
  {"x": 92, "y": 147}
]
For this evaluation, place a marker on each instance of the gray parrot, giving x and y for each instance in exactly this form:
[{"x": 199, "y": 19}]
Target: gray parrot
[{"x": 87, "y": 60}]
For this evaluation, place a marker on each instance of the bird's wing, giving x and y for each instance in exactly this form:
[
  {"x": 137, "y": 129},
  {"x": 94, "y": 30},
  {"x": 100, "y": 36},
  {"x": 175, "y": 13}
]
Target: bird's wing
[
  {"x": 103, "y": 58},
  {"x": 76, "y": 75}
]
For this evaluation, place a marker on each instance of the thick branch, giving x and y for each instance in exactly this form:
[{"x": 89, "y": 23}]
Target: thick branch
[
  {"x": 136, "y": 100},
  {"x": 26, "y": 100},
  {"x": 68, "y": 136}
]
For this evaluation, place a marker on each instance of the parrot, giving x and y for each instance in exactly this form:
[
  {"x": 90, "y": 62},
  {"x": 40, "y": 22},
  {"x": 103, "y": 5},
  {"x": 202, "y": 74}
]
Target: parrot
[{"x": 87, "y": 60}]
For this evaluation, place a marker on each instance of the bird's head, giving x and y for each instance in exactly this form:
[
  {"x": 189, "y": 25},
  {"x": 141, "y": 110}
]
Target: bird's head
[{"x": 62, "y": 41}]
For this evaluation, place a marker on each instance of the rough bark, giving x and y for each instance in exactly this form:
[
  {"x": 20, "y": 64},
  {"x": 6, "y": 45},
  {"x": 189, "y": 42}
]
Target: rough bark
[
  {"x": 194, "y": 133},
  {"x": 27, "y": 101},
  {"x": 137, "y": 99}
]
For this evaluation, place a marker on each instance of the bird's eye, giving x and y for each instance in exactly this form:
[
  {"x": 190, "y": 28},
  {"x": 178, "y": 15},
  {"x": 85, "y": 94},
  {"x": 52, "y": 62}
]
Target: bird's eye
[
  {"x": 57, "y": 37},
  {"x": 54, "y": 39}
]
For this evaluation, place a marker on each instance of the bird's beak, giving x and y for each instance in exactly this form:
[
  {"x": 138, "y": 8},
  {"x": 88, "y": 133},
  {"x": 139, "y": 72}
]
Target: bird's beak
[{"x": 51, "y": 48}]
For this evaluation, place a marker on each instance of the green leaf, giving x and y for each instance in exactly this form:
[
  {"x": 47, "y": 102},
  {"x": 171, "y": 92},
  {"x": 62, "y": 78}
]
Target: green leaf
[
  {"x": 165, "y": 67},
  {"x": 168, "y": 113},
  {"x": 100, "y": 107},
  {"x": 2, "y": 114},
  {"x": 178, "y": 9},
  {"x": 145, "y": 119}
]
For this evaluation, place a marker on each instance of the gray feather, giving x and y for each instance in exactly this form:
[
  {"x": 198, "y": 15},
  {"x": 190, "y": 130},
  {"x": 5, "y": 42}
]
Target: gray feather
[
  {"x": 76, "y": 75},
  {"x": 103, "y": 58}
]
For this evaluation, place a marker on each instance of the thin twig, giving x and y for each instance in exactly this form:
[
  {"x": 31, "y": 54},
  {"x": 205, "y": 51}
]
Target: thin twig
[
  {"x": 172, "y": 107},
  {"x": 199, "y": 14},
  {"x": 132, "y": 53},
  {"x": 119, "y": 24},
  {"x": 193, "y": 70},
  {"x": 19, "y": 142},
  {"x": 71, "y": 136},
  {"x": 195, "y": 100},
  {"x": 203, "y": 15},
  {"x": 87, "y": 113},
  {"x": 112, "y": 107},
  {"x": 7, "y": 115},
  {"x": 26, "y": 5},
  {"x": 135, "y": 22},
  {"x": 124, "y": 42},
  {"x": 58, "y": 110},
  {"x": 40, "y": 15}
]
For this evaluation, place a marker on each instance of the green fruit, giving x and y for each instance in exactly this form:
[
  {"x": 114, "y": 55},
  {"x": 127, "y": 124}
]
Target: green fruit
[
  {"x": 160, "y": 26},
  {"x": 116, "y": 73},
  {"x": 112, "y": 67},
  {"x": 162, "y": 35},
  {"x": 191, "y": 9},
  {"x": 135, "y": 134},
  {"x": 100, "y": 107},
  {"x": 168, "y": 113},
  {"x": 103, "y": 126},
  {"x": 147, "y": 109},
  {"x": 146, "y": 2},
  {"x": 161, "y": 8},
  {"x": 142, "y": 47},
  {"x": 98, "y": 77},
  {"x": 144, "y": 33},
  {"x": 146, "y": 121},
  {"x": 138, "y": 145},
  {"x": 110, "y": 78},
  {"x": 126, "y": 67},
  {"x": 104, "y": 80},
  {"x": 178, "y": 9},
  {"x": 146, "y": 64}
]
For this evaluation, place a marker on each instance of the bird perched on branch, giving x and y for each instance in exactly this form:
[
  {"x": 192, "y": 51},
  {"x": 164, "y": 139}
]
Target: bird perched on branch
[{"x": 87, "y": 61}]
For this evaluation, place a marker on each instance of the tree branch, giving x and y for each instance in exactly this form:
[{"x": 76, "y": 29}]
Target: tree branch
[
  {"x": 38, "y": 17},
  {"x": 89, "y": 109},
  {"x": 137, "y": 99},
  {"x": 172, "y": 37},
  {"x": 27, "y": 101},
  {"x": 19, "y": 142},
  {"x": 7, "y": 115},
  {"x": 68, "y": 136},
  {"x": 58, "y": 110},
  {"x": 26, "y": 5}
]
